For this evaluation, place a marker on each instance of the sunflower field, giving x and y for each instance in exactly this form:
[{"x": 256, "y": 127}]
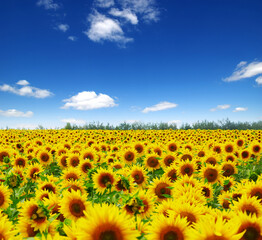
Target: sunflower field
[{"x": 128, "y": 185}]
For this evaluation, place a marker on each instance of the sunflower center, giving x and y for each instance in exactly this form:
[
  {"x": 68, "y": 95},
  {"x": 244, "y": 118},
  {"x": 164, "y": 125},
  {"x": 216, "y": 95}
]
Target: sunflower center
[
  {"x": 169, "y": 160},
  {"x": 30, "y": 231},
  {"x": 152, "y": 162},
  {"x": 138, "y": 177},
  {"x": 44, "y": 157},
  {"x": 21, "y": 162},
  {"x": 38, "y": 215},
  {"x": 240, "y": 143},
  {"x": 206, "y": 192},
  {"x": 211, "y": 175},
  {"x": 77, "y": 208},
  {"x": 3, "y": 155},
  {"x": 49, "y": 188},
  {"x": 71, "y": 176},
  {"x": 63, "y": 161},
  {"x": 201, "y": 154},
  {"x": 129, "y": 156},
  {"x": 186, "y": 156},
  {"x": 139, "y": 148},
  {"x": 105, "y": 180},
  {"x": 74, "y": 161},
  {"x": 229, "y": 149},
  {"x": 86, "y": 167},
  {"x": 172, "y": 147},
  {"x": 257, "y": 193},
  {"x": 251, "y": 234},
  {"x": 34, "y": 172},
  {"x": 108, "y": 235},
  {"x": 172, "y": 174},
  {"x": 161, "y": 189},
  {"x": 89, "y": 156},
  {"x": 245, "y": 154},
  {"x": 171, "y": 235},
  {"x": 228, "y": 170}
]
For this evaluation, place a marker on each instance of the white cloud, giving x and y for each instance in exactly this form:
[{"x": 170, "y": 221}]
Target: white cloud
[
  {"x": 72, "y": 38},
  {"x": 159, "y": 107},
  {"x": 26, "y": 90},
  {"x": 63, "y": 27},
  {"x": 48, "y": 4},
  {"x": 126, "y": 13},
  {"x": 220, "y": 107},
  {"x": 240, "y": 109},
  {"x": 104, "y": 28},
  {"x": 259, "y": 80},
  {"x": 104, "y": 3},
  {"x": 146, "y": 8},
  {"x": 89, "y": 100},
  {"x": 16, "y": 113},
  {"x": 244, "y": 70},
  {"x": 22, "y": 82},
  {"x": 73, "y": 121}
]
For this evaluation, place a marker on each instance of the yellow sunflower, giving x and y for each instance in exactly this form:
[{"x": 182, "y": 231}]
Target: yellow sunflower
[
  {"x": 211, "y": 173},
  {"x": 106, "y": 222},
  {"x": 139, "y": 176},
  {"x": 163, "y": 228},
  {"x": 44, "y": 156},
  {"x": 5, "y": 194},
  {"x": 152, "y": 161},
  {"x": 73, "y": 205},
  {"x": 6, "y": 228},
  {"x": 104, "y": 179}
]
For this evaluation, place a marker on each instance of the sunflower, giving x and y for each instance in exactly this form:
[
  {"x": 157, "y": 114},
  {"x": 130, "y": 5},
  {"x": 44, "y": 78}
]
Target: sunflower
[
  {"x": 140, "y": 148},
  {"x": 73, "y": 160},
  {"x": 71, "y": 231},
  {"x": 163, "y": 228},
  {"x": 5, "y": 194},
  {"x": 211, "y": 173},
  {"x": 33, "y": 171},
  {"x": 249, "y": 225},
  {"x": 50, "y": 186},
  {"x": 171, "y": 173},
  {"x": 211, "y": 228},
  {"x": 85, "y": 166},
  {"x": 62, "y": 160},
  {"x": 44, "y": 156},
  {"x": 141, "y": 204},
  {"x": 42, "y": 194},
  {"x": 228, "y": 168},
  {"x": 6, "y": 228},
  {"x": 71, "y": 173},
  {"x": 211, "y": 159},
  {"x": 104, "y": 179},
  {"x": 186, "y": 167},
  {"x": 73, "y": 205},
  {"x": 5, "y": 153},
  {"x": 117, "y": 165},
  {"x": 190, "y": 212},
  {"x": 224, "y": 200},
  {"x": 240, "y": 142},
  {"x": 128, "y": 156},
  {"x": 152, "y": 161},
  {"x": 167, "y": 160},
  {"x": 106, "y": 222},
  {"x": 207, "y": 190},
  {"x": 245, "y": 154},
  {"x": 187, "y": 155},
  {"x": 161, "y": 188},
  {"x": 165, "y": 207},
  {"x": 20, "y": 161},
  {"x": 254, "y": 189},
  {"x": 248, "y": 205},
  {"x": 53, "y": 203},
  {"x": 35, "y": 214},
  {"x": 88, "y": 154},
  {"x": 172, "y": 146},
  {"x": 228, "y": 148},
  {"x": 228, "y": 183},
  {"x": 139, "y": 176}
]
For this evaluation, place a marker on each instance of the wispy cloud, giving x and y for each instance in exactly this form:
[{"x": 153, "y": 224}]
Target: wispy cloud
[
  {"x": 63, "y": 27},
  {"x": 259, "y": 80},
  {"x": 104, "y": 28},
  {"x": 48, "y": 4},
  {"x": 26, "y": 90},
  {"x": 16, "y": 113},
  {"x": 220, "y": 107},
  {"x": 73, "y": 121},
  {"x": 104, "y": 3},
  {"x": 177, "y": 122},
  {"x": 89, "y": 100},
  {"x": 240, "y": 109},
  {"x": 244, "y": 70},
  {"x": 126, "y": 14},
  {"x": 159, "y": 107},
  {"x": 146, "y": 8},
  {"x": 72, "y": 38}
]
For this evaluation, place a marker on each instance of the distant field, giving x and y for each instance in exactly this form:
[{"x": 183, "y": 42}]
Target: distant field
[{"x": 134, "y": 184}]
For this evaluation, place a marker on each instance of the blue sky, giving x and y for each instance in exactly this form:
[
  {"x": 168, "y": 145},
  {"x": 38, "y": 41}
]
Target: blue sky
[{"x": 130, "y": 60}]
